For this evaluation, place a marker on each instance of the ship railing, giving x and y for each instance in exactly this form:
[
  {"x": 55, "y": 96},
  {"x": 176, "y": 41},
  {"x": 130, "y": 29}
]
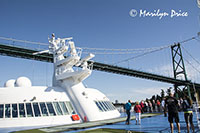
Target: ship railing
[{"x": 90, "y": 66}]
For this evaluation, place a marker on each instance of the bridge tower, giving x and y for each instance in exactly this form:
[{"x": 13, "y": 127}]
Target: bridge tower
[{"x": 179, "y": 68}]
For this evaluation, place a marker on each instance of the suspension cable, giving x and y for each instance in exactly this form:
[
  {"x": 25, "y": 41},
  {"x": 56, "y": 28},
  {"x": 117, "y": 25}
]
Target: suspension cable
[
  {"x": 187, "y": 40},
  {"x": 107, "y": 49},
  {"x": 191, "y": 65},
  {"x": 16, "y": 40},
  {"x": 152, "y": 51},
  {"x": 191, "y": 55},
  {"x": 121, "y": 51},
  {"x": 86, "y": 48},
  {"x": 103, "y": 53}
]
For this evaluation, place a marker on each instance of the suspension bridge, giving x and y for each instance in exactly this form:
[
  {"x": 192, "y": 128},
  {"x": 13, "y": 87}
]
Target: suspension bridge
[{"x": 27, "y": 53}]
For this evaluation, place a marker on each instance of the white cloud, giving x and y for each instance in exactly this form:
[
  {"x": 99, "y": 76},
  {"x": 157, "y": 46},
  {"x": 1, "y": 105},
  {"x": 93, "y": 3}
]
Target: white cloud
[
  {"x": 138, "y": 93},
  {"x": 143, "y": 93},
  {"x": 147, "y": 91},
  {"x": 135, "y": 94},
  {"x": 165, "y": 70}
]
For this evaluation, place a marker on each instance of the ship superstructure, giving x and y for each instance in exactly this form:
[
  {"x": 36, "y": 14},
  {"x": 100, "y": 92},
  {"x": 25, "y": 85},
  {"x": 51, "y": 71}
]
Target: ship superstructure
[{"x": 68, "y": 101}]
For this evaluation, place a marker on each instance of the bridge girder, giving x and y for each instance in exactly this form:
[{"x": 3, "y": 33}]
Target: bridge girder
[{"x": 14, "y": 51}]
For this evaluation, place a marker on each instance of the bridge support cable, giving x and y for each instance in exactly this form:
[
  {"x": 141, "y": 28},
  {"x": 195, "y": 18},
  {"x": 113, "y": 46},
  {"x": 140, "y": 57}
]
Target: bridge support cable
[
  {"x": 179, "y": 68},
  {"x": 193, "y": 59}
]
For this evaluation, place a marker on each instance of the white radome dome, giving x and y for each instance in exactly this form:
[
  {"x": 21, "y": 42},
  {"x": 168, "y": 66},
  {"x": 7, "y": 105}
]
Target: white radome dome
[
  {"x": 23, "y": 82},
  {"x": 10, "y": 83}
]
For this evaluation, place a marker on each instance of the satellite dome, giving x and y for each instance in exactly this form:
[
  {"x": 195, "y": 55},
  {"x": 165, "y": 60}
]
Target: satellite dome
[
  {"x": 10, "y": 83},
  {"x": 23, "y": 82}
]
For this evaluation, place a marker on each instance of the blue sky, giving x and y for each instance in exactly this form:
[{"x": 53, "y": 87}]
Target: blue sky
[{"x": 102, "y": 24}]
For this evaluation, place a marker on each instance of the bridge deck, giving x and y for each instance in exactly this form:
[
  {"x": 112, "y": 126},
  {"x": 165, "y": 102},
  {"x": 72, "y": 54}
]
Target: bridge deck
[{"x": 15, "y": 51}]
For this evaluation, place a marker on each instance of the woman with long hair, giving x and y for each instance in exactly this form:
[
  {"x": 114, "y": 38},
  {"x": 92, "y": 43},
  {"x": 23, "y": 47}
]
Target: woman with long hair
[
  {"x": 188, "y": 114},
  {"x": 138, "y": 110}
]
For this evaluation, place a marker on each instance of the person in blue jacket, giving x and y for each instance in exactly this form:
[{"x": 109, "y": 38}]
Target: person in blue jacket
[{"x": 128, "y": 111}]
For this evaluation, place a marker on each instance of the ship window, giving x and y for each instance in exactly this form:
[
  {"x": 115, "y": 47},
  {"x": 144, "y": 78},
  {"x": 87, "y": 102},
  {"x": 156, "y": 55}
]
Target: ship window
[
  {"x": 50, "y": 108},
  {"x": 57, "y": 108},
  {"x": 36, "y": 109},
  {"x": 105, "y": 105},
  {"x": 100, "y": 108},
  {"x": 29, "y": 110},
  {"x": 112, "y": 106},
  {"x": 14, "y": 111},
  {"x": 43, "y": 109},
  {"x": 64, "y": 108},
  {"x": 1, "y": 110},
  {"x": 7, "y": 111},
  {"x": 21, "y": 110},
  {"x": 109, "y": 105},
  {"x": 70, "y": 108}
]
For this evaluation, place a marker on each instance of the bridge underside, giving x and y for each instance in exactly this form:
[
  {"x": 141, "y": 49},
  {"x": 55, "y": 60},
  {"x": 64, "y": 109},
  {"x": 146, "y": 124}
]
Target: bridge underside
[{"x": 14, "y": 51}]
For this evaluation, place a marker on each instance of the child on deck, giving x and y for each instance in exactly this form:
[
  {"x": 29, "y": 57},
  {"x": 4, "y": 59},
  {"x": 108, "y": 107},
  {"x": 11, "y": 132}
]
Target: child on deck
[{"x": 137, "y": 110}]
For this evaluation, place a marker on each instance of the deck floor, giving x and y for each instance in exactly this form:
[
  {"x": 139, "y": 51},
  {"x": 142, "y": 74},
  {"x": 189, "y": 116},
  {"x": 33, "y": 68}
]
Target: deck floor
[
  {"x": 151, "y": 123},
  {"x": 156, "y": 124},
  {"x": 86, "y": 125}
]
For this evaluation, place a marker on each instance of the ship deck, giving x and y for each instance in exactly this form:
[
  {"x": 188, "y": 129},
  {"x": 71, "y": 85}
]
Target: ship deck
[
  {"x": 156, "y": 124},
  {"x": 150, "y": 123},
  {"x": 84, "y": 126}
]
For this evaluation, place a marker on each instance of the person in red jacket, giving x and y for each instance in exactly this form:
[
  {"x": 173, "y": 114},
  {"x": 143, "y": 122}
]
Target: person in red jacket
[
  {"x": 138, "y": 110},
  {"x": 142, "y": 106}
]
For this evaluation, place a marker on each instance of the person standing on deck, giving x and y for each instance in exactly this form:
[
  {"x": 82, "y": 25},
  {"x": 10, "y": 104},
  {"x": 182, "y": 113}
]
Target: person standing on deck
[
  {"x": 154, "y": 105},
  {"x": 171, "y": 104},
  {"x": 142, "y": 106},
  {"x": 128, "y": 111},
  {"x": 158, "y": 105},
  {"x": 145, "y": 106},
  {"x": 163, "y": 107},
  {"x": 188, "y": 114},
  {"x": 150, "y": 106},
  {"x": 138, "y": 110}
]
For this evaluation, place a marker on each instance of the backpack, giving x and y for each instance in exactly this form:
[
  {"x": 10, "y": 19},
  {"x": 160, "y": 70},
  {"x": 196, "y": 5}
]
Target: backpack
[
  {"x": 137, "y": 108},
  {"x": 128, "y": 106},
  {"x": 185, "y": 105}
]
